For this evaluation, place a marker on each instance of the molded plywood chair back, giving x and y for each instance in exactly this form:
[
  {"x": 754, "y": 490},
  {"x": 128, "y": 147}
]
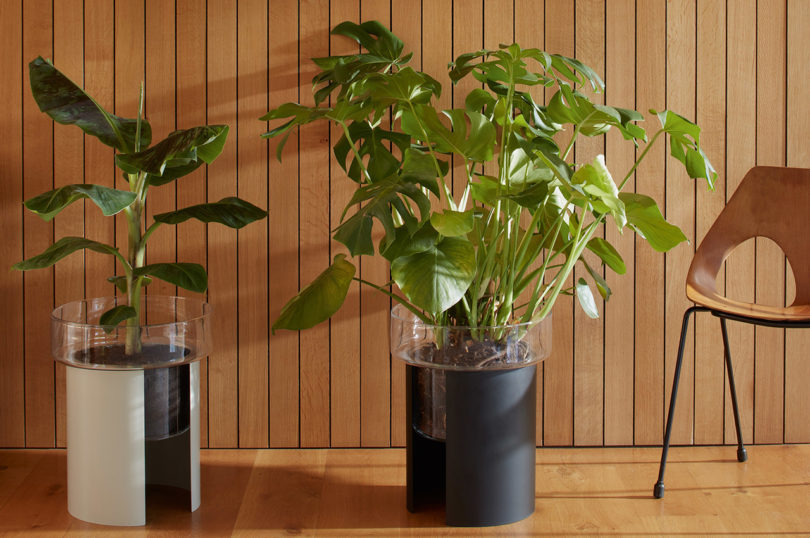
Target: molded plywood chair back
[{"x": 770, "y": 202}]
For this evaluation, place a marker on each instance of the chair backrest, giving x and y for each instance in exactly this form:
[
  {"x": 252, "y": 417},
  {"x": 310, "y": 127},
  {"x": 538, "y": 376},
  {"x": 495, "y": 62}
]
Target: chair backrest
[{"x": 770, "y": 202}]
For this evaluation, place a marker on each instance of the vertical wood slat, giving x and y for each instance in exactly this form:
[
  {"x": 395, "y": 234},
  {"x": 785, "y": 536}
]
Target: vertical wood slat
[
  {"x": 252, "y": 185},
  {"x": 740, "y": 157},
  {"x": 191, "y": 111},
  {"x": 711, "y": 95},
  {"x": 770, "y": 261},
  {"x": 589, "y": 333},
  {"x": 68, "y": 168},
  {"x": 649, "y": 344},
  {"x": 345, "y": 324},
  {"x": 375, "y": 369},
  {"x": 620, "y": 82},
  {"x": 37, "y": 154},
  {"x": 223, "y": 364},
  {"x": 314, "y": 228},
  {"x": 558, "y": 386},
  {"x": 680, "y": 210},
  {"x": 283, "y": 279},
  {"x": 797, "y": 342},
  {"x": 12, "y": 365}
]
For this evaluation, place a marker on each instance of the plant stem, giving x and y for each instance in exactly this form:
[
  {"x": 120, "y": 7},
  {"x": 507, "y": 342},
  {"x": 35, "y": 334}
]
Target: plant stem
[
  {"x": 640, "y": 158},
  {"x": 135, "y": 250},
  {"x": 397, "y": 298}
]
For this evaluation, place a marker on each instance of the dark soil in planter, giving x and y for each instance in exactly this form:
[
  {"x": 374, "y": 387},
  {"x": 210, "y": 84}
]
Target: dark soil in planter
[
  {"x": 461, "y": 351},
  {"x": 166, "y": 390}
]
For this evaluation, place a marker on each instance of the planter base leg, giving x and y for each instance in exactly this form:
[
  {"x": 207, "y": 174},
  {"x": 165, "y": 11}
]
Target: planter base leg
[
  {"x": 490, "y": 446},
  {"x": 484, "y": 472}
]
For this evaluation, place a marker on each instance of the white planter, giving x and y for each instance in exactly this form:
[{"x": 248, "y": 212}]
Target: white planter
[{"x": 119, "y": 438}]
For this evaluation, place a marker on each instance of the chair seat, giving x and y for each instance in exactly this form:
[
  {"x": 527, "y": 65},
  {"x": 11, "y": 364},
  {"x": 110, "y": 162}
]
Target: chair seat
[{"x": 711, "y": 299}]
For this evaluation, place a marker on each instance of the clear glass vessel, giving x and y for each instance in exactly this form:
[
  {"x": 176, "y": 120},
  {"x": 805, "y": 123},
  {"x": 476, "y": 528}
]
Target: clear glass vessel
[
  {"x": 437, "y": 349},
  {"x": 172, "y": 332}
]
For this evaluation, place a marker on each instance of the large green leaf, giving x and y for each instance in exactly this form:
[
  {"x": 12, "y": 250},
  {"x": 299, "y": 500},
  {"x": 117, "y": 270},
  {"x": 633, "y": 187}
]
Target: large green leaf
[
  {"x": 384, "y": 52},
  {"x": 66, "y": 103},
  {"x": 381, "y": 197},
  {"x": 370, "y": 142},
  {"x": 60, "y": 249},
  {"x": 372, "y": 36},
  {"x": 47, "y": 205},
  {"x": 190, "y": 276},
  {"x": 437, "y": 278},
  {"x": 177, "y": 155},
  {"x": 419, "y": 167},
  {"x": 230, "y": 211},
  {"x": 320, "y": 299},
  {"x": 405, "y": 243},
  {"x": 645, "y": 218},
  {"x": 401, "y": 89},
  {"x": 355, "y": 233},
  {"x": 474, "y": 141},
  {"x": 452, "y": 223}
]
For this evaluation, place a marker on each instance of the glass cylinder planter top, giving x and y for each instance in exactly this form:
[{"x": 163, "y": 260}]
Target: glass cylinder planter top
[{"x": 172, "y": 331}]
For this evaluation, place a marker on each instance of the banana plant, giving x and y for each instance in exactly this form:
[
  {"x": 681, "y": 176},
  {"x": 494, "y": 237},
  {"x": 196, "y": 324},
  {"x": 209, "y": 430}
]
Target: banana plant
[
  {"x": 143, "y": 166},
  {"x": 502, "y": 249}
]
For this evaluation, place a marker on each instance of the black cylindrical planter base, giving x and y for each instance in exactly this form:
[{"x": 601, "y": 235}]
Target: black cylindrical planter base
[{"x": 485, "y": 469}]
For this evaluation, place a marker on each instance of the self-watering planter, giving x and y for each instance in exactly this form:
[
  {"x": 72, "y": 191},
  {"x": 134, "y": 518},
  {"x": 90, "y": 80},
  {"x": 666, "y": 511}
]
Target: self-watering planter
[
  {"x": 132, "y": 418},
  {"x": 471, "y": 397}
]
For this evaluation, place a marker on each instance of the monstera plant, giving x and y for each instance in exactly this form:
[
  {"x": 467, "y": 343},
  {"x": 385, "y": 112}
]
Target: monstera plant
[
  {"x": 502, "y": 248},
  {"x": 143, "y": 167}
]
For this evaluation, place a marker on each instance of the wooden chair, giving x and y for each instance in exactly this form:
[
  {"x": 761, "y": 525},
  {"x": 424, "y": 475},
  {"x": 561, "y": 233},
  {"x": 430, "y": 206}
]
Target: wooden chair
[{"x": 770, "y": 202}]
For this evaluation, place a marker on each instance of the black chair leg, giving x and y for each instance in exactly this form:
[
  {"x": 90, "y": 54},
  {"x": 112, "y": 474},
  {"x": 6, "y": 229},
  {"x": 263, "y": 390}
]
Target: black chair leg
[
  {"x": 658, "y": 490},
  {"x": 742, "y": 455}
]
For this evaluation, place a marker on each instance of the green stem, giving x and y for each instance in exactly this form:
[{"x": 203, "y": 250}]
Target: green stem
[
  {"x": 397, "y": 298},
  {"x": 356, "y": 154},
  {"x": 641, "y": 157},
  {"x": 571, "y": 142}
]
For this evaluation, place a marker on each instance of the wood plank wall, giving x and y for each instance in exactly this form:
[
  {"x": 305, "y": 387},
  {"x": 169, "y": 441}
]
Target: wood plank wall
[{"x": 737, "y": 67}]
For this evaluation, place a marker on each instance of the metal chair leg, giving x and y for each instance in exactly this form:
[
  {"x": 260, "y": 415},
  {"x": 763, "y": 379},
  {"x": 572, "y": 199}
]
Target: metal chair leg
[
  {"x": 742, "y": 455},
  {"x": 658, "y": 490}
]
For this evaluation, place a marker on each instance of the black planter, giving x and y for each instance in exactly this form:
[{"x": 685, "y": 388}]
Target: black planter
[{"x": 484, "y": 470}]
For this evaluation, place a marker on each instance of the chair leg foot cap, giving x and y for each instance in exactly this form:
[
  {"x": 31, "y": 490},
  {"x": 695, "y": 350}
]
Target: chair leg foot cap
[
  {"x": 658, "y": 491},
  {"x": 742, "y": 454}
]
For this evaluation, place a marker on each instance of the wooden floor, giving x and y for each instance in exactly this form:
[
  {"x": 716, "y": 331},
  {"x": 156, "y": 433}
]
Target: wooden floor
[{"x": 348, "y": 492}]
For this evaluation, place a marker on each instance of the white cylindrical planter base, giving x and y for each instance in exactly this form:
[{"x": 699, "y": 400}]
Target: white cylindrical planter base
[{"x": 108, "y": 459}]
